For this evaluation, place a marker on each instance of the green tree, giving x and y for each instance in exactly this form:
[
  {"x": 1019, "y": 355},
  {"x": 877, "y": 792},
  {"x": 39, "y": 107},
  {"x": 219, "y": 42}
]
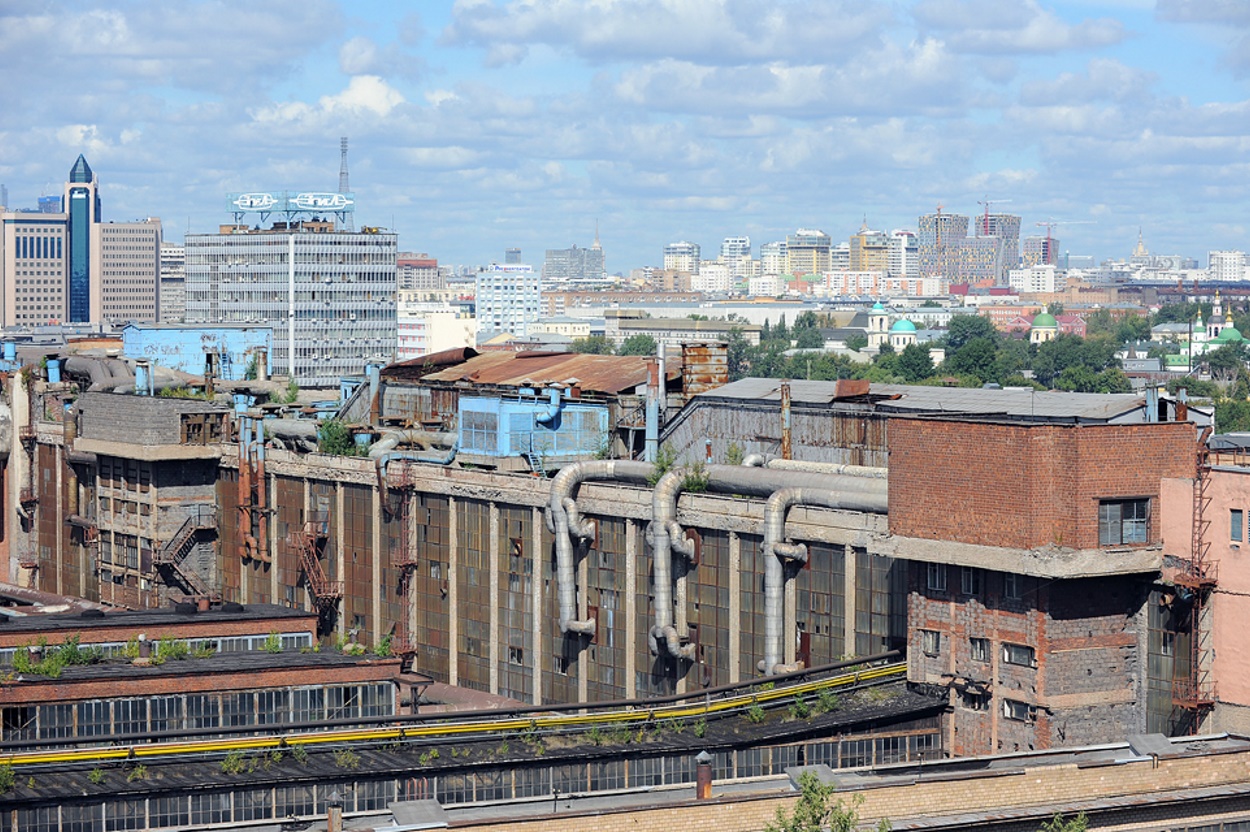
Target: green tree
[
  {"x": 1232, "y": 415},
  {"x": 816, "y": 811},
  {"x": 592, "y": 345},
  {"x": 975, "y": 358},
  {"x": 638, "y": 345},
  {"x": 805, "y": 320},
  {"x": 857, "y": 342},
  {"x": 965, "y": 328},
  {"x": 1058, "y": 823},
  {"x": 1226, "y": 363},
  {"x": 914, "y": 363},
  {"x": 1133, "y": 328},
  {"x": 809, "y": 338},
  {"x": 739, "y": 355},
  {"x": 334, "y": 437}
]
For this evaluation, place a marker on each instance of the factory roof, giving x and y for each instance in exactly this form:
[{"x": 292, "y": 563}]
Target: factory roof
[
  {"x": 599, "y": 373},
  {"x": 901, "y": 399}
]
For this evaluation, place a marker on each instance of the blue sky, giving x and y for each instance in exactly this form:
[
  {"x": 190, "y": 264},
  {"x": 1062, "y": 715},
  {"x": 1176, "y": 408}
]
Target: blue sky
[{"x": 477, "y": 125}]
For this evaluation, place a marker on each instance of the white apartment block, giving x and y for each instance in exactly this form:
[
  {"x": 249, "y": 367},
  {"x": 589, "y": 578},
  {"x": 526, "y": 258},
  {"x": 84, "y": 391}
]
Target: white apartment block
[
  {"x": 130, "y": 269},
  {"x": 1032, "y": 279},
  {"x": 423, "y": 327},
  {"x": 880, "y": 284},
  {"x": 682, "y": 257},
  {"x": 903, "y": 254},
  {"x": 713, "y": 278},
  {"x": 329, "y": 295},
  {"x": 773, "y": 257},
  {"x": 1227, "y": 265},
  {"x": 508, "y": 299},
  {"x": 33, "y": 261},
  {"x": 172, "y": 297},
  {"x": 767, "y": 286}
]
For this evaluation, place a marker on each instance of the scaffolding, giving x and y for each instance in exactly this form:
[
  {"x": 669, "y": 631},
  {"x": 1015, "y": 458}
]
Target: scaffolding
[{"x": 1193, "y": 689}]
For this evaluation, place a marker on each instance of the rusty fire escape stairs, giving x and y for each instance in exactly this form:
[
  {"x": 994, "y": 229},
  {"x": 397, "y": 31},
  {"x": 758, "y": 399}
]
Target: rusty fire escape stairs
[
  {"x": 1193, "y": 690},
  {"x": 174, "y": 553},
  {"x": 307, "y": 543}
]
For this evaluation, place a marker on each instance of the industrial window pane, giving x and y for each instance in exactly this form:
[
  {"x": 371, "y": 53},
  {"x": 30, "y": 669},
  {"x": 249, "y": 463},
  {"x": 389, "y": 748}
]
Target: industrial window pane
[
  {"x": 1019, "y": 654},
  {"x": 210, "y": 808},
  {"x": 1123, "y": 521},
  {"x": 125, "y": 814},
  {"x": 937, "y": 577},
  {"x": 980, "y": 649},
  {"x": 1236, "y": 524}
]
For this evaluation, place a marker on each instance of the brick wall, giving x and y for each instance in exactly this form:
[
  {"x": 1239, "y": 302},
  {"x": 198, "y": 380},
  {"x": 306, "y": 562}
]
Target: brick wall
[
  {"x": 1088, "y": 683},
  {"x": 139, "y": 420},
  {"x": 1022, "y": 486}
]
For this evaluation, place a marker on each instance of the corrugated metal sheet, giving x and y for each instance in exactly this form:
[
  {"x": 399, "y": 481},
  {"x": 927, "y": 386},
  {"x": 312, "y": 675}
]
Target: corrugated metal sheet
[
  {"x": 705, "y": 367},
  {"x": 422, "y": 366},
  {"x": 597, "y": 373}
]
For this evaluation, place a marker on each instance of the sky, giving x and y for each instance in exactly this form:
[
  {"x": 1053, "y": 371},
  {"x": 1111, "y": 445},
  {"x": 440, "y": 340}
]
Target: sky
[{"x": 479, "y": 125}]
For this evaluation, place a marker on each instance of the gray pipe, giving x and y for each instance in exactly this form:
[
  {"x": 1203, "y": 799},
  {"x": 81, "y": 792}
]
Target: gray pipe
[
  {"x": 667, "y": 536},
  {"x": 292, "y": 428},
  {"x": 753, "y": 460},
  {"x": 827, "y": 468},
  {"x": 423, "y": 439},
  {"x": 564, "y": 521},
  {"x": 775, "y": 548}
]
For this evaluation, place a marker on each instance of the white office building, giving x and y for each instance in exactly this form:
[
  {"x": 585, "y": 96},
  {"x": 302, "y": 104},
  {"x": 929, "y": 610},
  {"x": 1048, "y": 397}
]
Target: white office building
[{"x": 508, "y": 300}]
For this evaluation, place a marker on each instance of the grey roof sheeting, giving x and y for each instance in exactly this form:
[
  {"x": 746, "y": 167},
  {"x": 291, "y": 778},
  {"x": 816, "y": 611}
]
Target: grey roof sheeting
[{"x": 910, "y": 399}]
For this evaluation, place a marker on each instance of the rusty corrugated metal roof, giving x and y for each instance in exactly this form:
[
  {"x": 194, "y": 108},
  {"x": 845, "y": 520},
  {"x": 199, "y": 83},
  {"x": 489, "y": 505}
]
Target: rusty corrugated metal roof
[
  {"x": 599, "y": 373},
  {"x": 423, "y": 365}
]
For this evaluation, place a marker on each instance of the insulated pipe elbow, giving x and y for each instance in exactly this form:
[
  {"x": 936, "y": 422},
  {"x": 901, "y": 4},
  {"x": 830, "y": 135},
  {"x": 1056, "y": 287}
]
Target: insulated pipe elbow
[
  {"x": 553, "y": 406},
  {"x": 753, "y": 461}
]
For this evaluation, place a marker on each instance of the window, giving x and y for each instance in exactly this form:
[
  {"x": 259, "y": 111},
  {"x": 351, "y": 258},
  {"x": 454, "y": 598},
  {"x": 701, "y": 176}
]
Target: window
[
  {"x": 930, "y": 642},
  {"x": 1122, "y": 521},
  {"x": 970, "y": 580},
  {"x": 1020, "y": 711},
  {"x": 937, "y": 577},
  {"x": 974, "y": 700},
  {"x": 1020, "y": 654},
  {"x": 1236, "y": 525},
  {"x": 980, "y": 649},
  {"x": 1011, "y": 586}
]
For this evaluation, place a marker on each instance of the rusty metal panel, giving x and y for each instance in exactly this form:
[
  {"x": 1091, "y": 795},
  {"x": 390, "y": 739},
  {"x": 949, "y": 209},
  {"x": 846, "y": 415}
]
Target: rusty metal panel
[
  {"x": 597, "y": 373},
  {"x": 704, "y": 367}
]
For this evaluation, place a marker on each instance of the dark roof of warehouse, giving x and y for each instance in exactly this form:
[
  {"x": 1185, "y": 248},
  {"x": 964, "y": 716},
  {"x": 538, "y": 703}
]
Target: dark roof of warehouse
[
  {"x": 151, "y": 620},
  {"x": 597, "y": 373}
]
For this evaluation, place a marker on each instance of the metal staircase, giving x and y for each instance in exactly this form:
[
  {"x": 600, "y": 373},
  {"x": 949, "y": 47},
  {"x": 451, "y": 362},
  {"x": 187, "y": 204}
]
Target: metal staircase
[
  {"x": 175, "y": 551},
  {"x": 307, "y": 543},
  {"x": 1193, "y": 690}
]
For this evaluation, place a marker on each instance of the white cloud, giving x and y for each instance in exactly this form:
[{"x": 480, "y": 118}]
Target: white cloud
[
  {"x": 1012, "y": 27},
  {"x": 365, "y": 95}
]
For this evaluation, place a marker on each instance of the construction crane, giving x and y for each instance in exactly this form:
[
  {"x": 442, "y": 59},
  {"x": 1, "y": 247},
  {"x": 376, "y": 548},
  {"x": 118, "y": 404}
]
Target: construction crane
[
  {"x": 1049, "y": 225},
  {"x": 985, "y": 222}
]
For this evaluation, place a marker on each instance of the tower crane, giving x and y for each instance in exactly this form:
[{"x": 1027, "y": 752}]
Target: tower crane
[
  {"x": 985, "y": 222},
  {"x": 1050, "y": 224}
]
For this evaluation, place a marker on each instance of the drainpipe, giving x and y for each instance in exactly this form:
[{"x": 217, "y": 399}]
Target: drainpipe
[
  {"x": 651, "y": 447},
  {"x": 262, "y": 496},
  {"x": 245, "y": 485},
  {"x": 667, "y": 536},
  {"x": 564, "y": 521},
  {"x": 787, "y": 450},
  {"x": 775, "y": 549},
  {"x": 549, "y": 416}
]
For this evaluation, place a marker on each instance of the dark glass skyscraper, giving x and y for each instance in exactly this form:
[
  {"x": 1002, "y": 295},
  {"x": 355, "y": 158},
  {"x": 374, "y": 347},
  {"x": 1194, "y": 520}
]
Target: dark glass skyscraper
[{"x": 82, "y": 204}]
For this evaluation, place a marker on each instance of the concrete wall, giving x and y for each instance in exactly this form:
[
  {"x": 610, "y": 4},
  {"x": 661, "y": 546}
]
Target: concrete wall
[
  {"x": 136, "y": 420},
  {"x": 1026, "y": 485},
  {"x": 184, "y": 349}
]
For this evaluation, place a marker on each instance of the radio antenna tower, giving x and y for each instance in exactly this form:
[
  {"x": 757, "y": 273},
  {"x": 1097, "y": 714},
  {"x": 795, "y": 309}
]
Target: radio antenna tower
[{"x": 344, "y": 188}]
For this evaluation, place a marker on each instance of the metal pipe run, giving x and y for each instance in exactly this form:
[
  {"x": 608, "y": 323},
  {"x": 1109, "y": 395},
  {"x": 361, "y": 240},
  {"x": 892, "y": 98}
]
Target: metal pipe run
[
  {"x": 776, "y": 549},
  {"x": 565, "y": 521}
]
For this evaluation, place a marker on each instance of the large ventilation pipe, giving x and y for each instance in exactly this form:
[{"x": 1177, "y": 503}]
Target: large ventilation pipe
[
  {"x": 549, "y": 416},
  {"x": 776, "y": 549},
  {"x": 651, "y": 443},
  {"x": 383, "y": 451},
  {"x": 667, "y": 536},
  {"x": 565, "y": 521}
]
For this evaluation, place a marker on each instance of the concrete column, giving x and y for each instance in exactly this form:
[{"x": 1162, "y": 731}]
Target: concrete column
[
  {"x": 57, "y": 556},
  {"x": 379, "y": 555},
  {"x": 453, "y": 592},
  {"x": 340, "y": 554},
  {"x": 493, "y": 594},
  {"x": 850, "y": 566},
  {"x": 735, "y": 607},
  {"x": 631, "y": 609},
  {"x": 536, "y": 605},
  {"x": 583, "y": 612}
]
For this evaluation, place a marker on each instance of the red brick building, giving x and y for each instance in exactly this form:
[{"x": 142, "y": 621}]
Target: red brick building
[{"x": 1034, "y": 550}]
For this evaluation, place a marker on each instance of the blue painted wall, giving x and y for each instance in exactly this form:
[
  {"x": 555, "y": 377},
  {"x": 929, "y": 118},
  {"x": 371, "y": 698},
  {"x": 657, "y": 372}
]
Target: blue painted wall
[
  {"x": 503, "y": 428},
  {"x": 183, "y": 348}
]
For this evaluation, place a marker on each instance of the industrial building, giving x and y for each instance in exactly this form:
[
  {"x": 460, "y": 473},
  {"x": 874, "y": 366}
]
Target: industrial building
[{"x": 502, "y": 527}]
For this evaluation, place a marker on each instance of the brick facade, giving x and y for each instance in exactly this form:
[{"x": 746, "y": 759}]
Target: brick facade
[{"x": 1026, "y": 485}]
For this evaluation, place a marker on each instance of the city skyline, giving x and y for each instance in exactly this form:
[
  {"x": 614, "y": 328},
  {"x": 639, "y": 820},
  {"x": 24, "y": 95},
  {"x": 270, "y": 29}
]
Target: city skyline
[{"x": 479, "y": 125}]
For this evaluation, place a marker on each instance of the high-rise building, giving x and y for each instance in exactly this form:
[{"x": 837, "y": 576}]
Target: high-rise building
[
  {"x": 418, "y": 271},
  {"x": 945, "y": 249},
  {"x": 773, "y": 257},
  {"x": 130, "y": 267},
  {"x": 903, "y": 260},
  {"x": 508, "y": 299},
  {"x": 425, "y": 327},
  {"x": 682, "y": 257},
  {"x": 574, "y": 265},
  {"x": 32, "y": 268},
  {"x": 870, "y": 251},
  {"x": 734, "y": 248},
  {"x": 512, "y": 256},
  {"x": 329, "y": 295},
  {"x": 82, "y": 205},
  {"x": 808, "y": 251},
  {"x": 1227, "y": 265},
  {"x": 172, "y": 297}
]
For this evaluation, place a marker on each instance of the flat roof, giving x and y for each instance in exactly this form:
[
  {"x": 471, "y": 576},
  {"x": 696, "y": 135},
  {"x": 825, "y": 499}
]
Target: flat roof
[{"x": 71, "y": 623}]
